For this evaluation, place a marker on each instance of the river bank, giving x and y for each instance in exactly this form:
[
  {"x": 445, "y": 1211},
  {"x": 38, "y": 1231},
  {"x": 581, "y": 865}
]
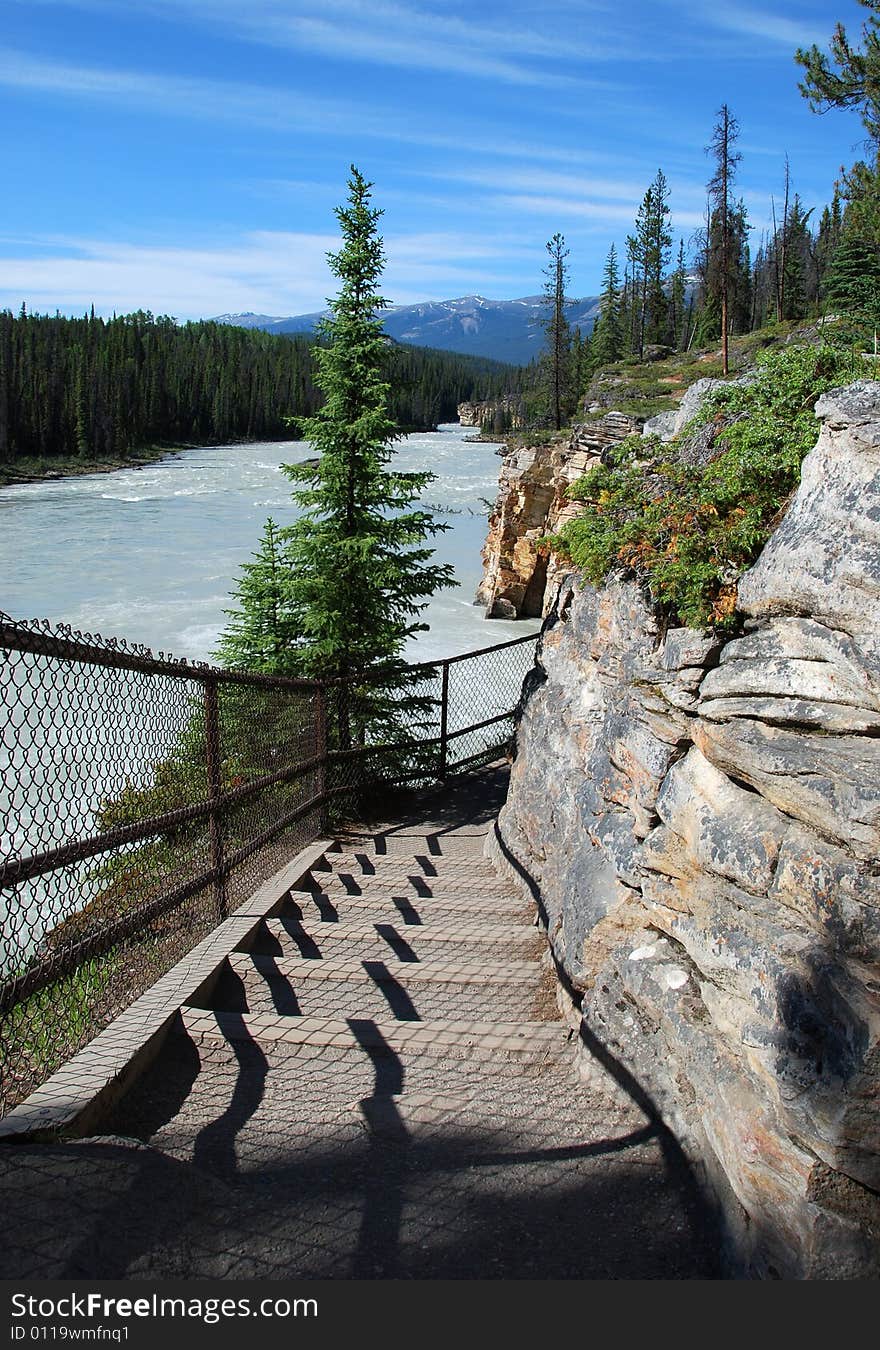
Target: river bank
[{"x": 47, "y": 470}]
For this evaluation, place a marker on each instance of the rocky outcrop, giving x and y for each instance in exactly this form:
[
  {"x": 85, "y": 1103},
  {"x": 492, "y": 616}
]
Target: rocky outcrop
[
  {"x": 702, "y": 819},
  {"x": 518, "y": 573},
  {"x": 494, "y": 414}
]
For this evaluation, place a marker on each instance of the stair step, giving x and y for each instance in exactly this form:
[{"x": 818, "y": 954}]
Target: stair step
[
  {"x": 429, "y": 905},
  {"x": 516, "y": 1039},
  {"x": 437, "y": 971},
  {"x": 431, "y": 864},
  {"x": 382, "y": 1000},
  {"x": 413, "y": 882},
  {"x": 357, "y": 929},
  {"x": 452, "y": 846}
]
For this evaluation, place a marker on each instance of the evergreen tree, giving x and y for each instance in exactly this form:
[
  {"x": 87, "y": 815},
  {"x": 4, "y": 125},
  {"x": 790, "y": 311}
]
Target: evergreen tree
[
  {"x": 638, "y": 247},
  {"x": 848, "y": 77},
  {"x": 262, "y": 633},
  {"x": 361, "y": 568},
  {"x": 658, "y": 253},
  {"x": 607, "y": 344},
  {"x": 724, "y": 135},
  {"x": 852, "y": 282},
  {"x": 800, "y": 282},
  {"x": 580, "y": 363},
  {"x": 557, "y": 359},
  {"x": 678, "y": 326},
  {"x": 830, "y": 228}
]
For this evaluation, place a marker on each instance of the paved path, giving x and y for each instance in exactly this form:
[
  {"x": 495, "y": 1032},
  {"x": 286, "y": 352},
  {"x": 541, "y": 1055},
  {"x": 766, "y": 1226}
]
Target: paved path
[{"x": 381, "y": 1087}]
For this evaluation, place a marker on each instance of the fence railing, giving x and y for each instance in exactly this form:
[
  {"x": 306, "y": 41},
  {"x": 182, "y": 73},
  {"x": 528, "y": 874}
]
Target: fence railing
[{"x": 142, "y": 798}]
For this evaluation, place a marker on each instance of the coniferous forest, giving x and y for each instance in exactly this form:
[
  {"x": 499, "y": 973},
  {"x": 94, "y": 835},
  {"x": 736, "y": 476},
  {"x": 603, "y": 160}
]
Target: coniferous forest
[{"x": 98, "y": 390}]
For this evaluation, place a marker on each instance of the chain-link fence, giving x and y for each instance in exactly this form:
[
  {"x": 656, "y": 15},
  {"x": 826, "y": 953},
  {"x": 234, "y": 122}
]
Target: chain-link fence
[{"x": 142, "y": 799}]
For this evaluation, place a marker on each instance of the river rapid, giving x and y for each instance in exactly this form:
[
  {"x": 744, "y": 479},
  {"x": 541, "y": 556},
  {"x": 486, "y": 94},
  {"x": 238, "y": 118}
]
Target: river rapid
[{"x": 151, "y": 554}]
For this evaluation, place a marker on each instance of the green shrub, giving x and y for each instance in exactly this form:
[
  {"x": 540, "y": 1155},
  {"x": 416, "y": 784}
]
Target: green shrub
[{"x": 688, "y": 533}]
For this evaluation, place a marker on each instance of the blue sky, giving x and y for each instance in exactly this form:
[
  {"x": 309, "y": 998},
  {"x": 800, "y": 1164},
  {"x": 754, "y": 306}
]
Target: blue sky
[{"x": 185, "y": 156}]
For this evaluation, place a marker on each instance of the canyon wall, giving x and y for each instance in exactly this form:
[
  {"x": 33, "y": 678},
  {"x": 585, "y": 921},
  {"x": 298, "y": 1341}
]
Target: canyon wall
[
  {"x": 501, "y": 414},
  {"x": 701, "y": 817},
  {"x": 518, "y": 572}
]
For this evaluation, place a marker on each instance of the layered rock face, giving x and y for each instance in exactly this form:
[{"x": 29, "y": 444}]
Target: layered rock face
[
  {"x": 532, "y": 502},
  {"x": 506, "y": 411},
  {"x": 703, "y": 820}
]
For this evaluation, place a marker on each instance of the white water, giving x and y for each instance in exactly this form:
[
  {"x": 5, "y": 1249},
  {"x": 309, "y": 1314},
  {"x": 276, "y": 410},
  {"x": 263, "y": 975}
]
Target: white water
[{"x": 152, "y": 554}]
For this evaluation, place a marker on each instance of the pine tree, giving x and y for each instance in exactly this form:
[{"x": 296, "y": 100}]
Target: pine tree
[
  {"x": 850, "y": 76},
  {"x": 799, "y": 263},
  {"x": 262, "y": 633},
  {"x": 580, "y": 363},
  {"x": 830, "y": 227},
  {"x": 852, "y": 282},
  {"x": 361, "y": 568},
  {"x": 678, "y": 317},
  {"x": 658, "y": 252},
  {"x": 724, "y": 135},
  {"x": 557, "y": 358},
  {"x": 607, "y": 345},
  {"x": 638, "y": 247}
]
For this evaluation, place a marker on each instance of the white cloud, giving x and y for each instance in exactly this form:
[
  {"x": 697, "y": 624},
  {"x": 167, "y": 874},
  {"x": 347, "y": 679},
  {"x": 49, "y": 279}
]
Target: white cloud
[
  {"x": 264, "y": 271},
  {"x": 178, "y": 95},
  {"x": 762, "y": 24},
  {"x": 262, "y": 106},
  {"x": 611, "y": 214},
  {"x": 389, "y": 33}
]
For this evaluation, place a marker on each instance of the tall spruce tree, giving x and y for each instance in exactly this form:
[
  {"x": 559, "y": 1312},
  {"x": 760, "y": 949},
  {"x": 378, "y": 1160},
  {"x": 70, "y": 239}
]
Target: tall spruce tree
[
  {"x": 361, "y": 566},
  {"x": 659, "y": 249},
  {"x": 608, "y": 335},
  {"x": 262, "y": 634},
  {"x": 724, "y": 135},
  {"x": 557, "y": 357}
]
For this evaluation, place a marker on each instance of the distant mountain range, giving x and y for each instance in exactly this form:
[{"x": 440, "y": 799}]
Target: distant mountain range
[{"x": 506, "y": 330}]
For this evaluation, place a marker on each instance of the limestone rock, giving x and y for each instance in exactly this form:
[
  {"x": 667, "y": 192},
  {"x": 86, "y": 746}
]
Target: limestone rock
[
  {"x": 701, "y": 818},
  {"x": 498, "y": 414},
  {"x": 532, "y": 502},
  {"x": 824, "y": 560},
  {"x": 831, "y": 783},
  {"x": 669, "y": 425}
]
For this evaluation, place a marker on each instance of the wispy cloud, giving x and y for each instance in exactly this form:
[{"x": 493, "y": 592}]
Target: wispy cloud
[
  {"x": 262, "y": 106},
  {"x": 216, "y": 100},
  {"x": 610, "y": 214},
  {"x": 414, "y": 37},
  {"x": 270, "y": 272},
  {"x": 764, "y": 24}
]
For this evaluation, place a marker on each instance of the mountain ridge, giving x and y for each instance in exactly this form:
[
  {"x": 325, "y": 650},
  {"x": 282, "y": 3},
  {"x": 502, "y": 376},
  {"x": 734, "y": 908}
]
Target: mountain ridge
[{"x": 505, "y": 330}]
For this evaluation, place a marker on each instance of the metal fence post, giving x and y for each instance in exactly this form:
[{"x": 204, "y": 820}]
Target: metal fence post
[
  {"x": 212, "y": 764},
  {"x": 444, "y": 719},
  {"x": 321, "y": 750}
]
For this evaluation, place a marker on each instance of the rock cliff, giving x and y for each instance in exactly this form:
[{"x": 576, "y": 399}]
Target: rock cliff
[
  {"x": 701, "y": 818},
  {"x": 517, "y": 572},
  {"x": 497, "y": 414}
]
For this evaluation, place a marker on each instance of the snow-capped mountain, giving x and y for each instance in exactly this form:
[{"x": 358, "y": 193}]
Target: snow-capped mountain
[
  {"x": 248, "y": 320},
  {"x": 507, "y": 330}
]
